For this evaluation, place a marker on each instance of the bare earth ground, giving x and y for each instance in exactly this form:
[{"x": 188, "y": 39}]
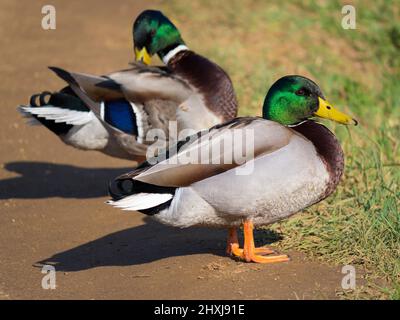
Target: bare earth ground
[{"x": 52, "y": 197}]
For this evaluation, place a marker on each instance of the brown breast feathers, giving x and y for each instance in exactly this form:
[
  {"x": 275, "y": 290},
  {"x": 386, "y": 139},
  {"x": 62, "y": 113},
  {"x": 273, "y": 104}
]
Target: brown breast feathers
[
  {"x": 211, "y": 81},
  {"x": 328, "y": 148}
]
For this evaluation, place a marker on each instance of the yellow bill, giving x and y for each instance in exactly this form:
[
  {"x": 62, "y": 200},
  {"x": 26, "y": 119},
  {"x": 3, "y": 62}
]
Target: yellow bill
[
  {"x": 142, "y": 55},
  {"x": 327, "y": 111}
]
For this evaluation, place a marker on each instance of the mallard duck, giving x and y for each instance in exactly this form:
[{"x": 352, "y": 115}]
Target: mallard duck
[
  {"x": 114, "y": 113},
  {"x": 296, "y": 162}
]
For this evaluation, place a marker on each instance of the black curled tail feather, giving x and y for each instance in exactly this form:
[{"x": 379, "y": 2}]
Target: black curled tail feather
[
  {"x": 58, "y": 128},
  {"x": 122, "y": 187},
  {"x": 65, "y": 98},
  {"x": 117, "y": 190}
]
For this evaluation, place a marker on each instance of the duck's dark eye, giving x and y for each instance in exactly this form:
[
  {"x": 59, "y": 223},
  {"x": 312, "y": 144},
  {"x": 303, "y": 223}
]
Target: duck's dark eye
[{"x": 301, "y": 92}]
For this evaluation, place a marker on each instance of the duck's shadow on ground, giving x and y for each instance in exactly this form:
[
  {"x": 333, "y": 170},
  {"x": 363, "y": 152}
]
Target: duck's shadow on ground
[
  {"x": 146, "y": 243},
  {"x": 149, "y": 242},
  {"x": 40, "y": 180}
]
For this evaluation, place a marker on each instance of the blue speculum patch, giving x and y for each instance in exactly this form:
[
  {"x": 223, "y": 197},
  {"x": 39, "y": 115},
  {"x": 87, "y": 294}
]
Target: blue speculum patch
[{"x": 119, "y": 114}]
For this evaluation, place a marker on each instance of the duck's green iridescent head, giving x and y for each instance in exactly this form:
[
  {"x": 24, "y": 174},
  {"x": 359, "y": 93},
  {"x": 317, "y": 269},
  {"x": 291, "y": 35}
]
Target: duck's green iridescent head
[
  {"x": 293, "y": 99},
  {"x": 154, "y": 33}
]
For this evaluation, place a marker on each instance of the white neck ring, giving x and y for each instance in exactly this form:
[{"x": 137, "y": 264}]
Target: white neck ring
[{"x": 173, "y": 52}]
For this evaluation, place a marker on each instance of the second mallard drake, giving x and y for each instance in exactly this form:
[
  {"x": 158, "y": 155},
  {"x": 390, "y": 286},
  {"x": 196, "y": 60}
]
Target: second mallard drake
[
  {"x": 114, "y": 113},
  {"x": 295, "y": 163}
]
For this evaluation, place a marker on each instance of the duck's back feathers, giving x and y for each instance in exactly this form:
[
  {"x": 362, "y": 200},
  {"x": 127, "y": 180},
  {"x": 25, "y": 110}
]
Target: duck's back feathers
[
  {"x": 143, "y": 83},
  {"x": 153, "y": 94},
  {"x": 98, "y": 88},
  {"x": 175, "y": 171},
  {"x": 287, "y": 173},
  {"x": 138, "y": 83},
  {"x": 170, "y": 169}
]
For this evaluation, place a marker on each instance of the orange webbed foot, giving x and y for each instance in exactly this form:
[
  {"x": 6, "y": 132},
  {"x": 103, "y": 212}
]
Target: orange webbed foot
[{"x": 250, "y": 253}]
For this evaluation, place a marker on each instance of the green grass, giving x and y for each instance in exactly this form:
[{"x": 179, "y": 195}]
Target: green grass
[{"x": 359, "y": 72}]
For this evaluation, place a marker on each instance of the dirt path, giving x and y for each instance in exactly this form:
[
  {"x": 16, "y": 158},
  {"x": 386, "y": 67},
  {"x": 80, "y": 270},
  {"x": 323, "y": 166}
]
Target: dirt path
[{"x": 52, "y": 197}]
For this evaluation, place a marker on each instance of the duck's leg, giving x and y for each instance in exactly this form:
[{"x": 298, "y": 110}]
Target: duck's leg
[
  {"x": 250, "y": 253},
  {"x": 232, "y": 241},
  {"x": 232, "y": 245}
]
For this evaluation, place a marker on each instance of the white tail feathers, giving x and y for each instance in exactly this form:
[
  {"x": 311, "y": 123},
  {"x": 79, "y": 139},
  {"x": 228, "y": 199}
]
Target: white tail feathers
[
  {"x": 32, "y": 121},
  {"x": 141, "y": 201},
  {"x": 58, "y": 115}
]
